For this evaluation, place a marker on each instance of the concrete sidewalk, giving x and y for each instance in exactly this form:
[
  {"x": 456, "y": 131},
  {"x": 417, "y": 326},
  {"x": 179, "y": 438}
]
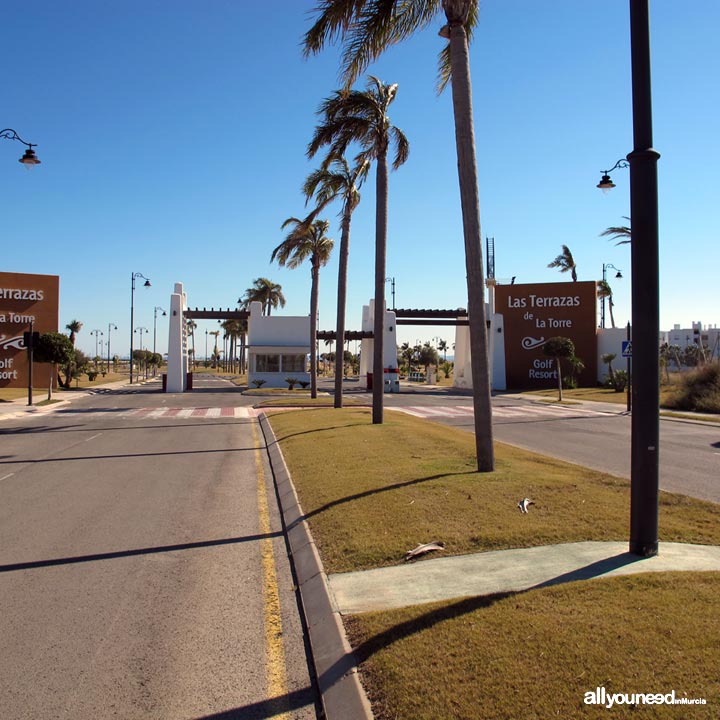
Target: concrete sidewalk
[{"x": 487, "y": 573}]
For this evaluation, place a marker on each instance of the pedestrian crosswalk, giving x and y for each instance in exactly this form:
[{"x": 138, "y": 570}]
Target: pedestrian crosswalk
[
  {"x": 166, "y": 413},
  {"x": 525, "y": 411}
]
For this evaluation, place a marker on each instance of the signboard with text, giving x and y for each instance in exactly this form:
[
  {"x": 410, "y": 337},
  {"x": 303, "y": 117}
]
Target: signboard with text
[
  {"x": 534, "y": 313},
  {"x": 24, "y": 300}
]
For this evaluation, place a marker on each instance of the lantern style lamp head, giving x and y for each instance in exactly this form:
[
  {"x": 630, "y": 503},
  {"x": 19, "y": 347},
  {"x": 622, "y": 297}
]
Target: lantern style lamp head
[
  {"x": 29, "y": 159},
  {"x": 606, "y": 184},
  {"x": 147, "y": 283}
]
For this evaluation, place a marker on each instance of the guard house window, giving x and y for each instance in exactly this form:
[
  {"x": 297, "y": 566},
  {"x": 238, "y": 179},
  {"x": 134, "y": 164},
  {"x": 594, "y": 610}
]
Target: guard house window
[
  {"x": 267, "y": 363},
  {"x": 293, "y": 363}
]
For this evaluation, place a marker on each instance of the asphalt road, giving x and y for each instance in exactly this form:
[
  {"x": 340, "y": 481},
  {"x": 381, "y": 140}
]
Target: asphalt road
[
  {"x": 140, "y": 576},
  {"x": 582, "y": 434}
]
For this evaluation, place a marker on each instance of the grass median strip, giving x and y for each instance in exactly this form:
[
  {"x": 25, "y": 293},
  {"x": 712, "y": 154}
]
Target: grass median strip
[{"x": 372, "y": 492}]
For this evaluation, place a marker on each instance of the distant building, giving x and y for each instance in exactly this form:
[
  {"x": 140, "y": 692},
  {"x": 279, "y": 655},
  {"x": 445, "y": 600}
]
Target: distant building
[{"x": 708, "y": 337}]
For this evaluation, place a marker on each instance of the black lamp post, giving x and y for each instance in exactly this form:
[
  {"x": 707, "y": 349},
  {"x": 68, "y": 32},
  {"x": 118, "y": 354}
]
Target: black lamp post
[
  {"x": 132, "y": 314},
  {"x": 111, "y": 326},
  {"x": 618, "y": 276},
  {"x": 96, "y": 333},
  {"x": 29, "y": 159},
  {"x": 644, "y": 473},
  {"x": 155, "y": 312},
  {"x": 142, "y": 330},
  {"x": 391, "y": 280}
]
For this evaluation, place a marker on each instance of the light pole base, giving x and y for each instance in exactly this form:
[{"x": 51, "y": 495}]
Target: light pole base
[{"x": 644, "y": 549}]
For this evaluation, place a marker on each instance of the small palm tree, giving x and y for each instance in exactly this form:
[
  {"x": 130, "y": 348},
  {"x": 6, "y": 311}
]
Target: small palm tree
[
  {"x": 191, "y": 327},
  {"x": 621, "y": 233},
  {"x": 608, "y": 358},
  {"x": 361, "y": 117},
  {"x": 557, "y": 348},
  {"x": 265, "y": 291},
  {"x": 565, "y": 262},
  {"x": 332, "y": 181},
  {"x": 74, "y": 326},
  {"x": 605, "y": 291},
  {"x": 307, "y": 240}
]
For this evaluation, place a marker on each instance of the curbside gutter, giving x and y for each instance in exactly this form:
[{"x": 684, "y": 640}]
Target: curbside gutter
[{"x": 342, "y": 695}]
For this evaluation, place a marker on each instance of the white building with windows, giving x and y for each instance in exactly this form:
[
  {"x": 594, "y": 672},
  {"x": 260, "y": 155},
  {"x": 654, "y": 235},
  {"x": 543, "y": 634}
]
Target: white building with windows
[
  {"x": 277, "y": 348},
  {"x": 708, "y": 337}
]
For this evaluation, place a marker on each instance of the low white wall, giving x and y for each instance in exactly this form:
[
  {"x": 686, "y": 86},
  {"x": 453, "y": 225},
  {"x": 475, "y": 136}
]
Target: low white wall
[{"x": 610, "y": 340}]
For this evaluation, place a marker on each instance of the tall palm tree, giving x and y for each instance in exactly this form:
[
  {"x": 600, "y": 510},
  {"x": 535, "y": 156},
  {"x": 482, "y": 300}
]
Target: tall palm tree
[
  {"x": 605, "y": 291},
  {"x": 621, "y": 233},
  {"x": 355, "y": 116},
  {"x": 335, "y": 180},
  {"x": 267, "y": 292},
  {"x": 74, "y": 326},
  {"x": 368, "y": 28},
  {"x": 565, "y": 262},
  {"x": 307, "y": 241}
]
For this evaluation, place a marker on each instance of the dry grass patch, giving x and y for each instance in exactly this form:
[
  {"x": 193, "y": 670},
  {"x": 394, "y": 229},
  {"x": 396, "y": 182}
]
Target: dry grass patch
[
  {"x": 534, "y": 655},
  {"x": 372, "y": 492},
  {"x": 595, "y": 394}
]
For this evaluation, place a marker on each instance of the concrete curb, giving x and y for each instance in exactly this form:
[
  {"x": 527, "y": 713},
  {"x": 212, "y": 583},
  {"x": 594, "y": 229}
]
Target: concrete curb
[{"x": 342, "y": 695}]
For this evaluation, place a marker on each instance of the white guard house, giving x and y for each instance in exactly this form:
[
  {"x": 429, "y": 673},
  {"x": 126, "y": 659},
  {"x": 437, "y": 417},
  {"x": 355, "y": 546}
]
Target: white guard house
[{"x": 278, "y": 348}]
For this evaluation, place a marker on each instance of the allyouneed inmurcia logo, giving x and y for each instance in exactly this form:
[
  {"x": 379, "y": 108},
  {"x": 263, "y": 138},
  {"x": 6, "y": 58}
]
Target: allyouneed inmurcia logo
[{"x": 600, "y": 696}]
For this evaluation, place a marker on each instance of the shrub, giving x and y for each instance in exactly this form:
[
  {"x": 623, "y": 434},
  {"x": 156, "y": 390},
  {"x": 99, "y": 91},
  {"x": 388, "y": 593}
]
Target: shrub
[
  {"x": 618, "y": 381},
  {"x": 304, "y": 384},
  {"x": 292, "y": 382},
  {"x": 699, "y": 391},
  {"x": 258, "y": 383}
]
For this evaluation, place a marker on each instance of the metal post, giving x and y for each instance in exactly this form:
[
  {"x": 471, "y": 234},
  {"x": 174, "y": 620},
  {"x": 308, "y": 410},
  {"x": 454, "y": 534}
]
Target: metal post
[
  {"x": 644, "y": 485},
  {"x": 602, "y": 302},
  {"x": 30, "y": 348},
  {"x": 132, "y": 323}
]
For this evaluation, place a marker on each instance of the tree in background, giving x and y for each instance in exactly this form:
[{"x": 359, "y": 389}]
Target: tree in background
[
  {"x": 307, "y": 241},
  {"x": 565, "y": 262},
  {"x": 56, "y": 349},
  {"x": 265, "y": 291},
  {"x": 559, "y": 348},
  {"x": 605, "y": 291},
  {"x": 361, "y": 117},
  {"x": 335, "y": 180},
  {"x": 368, "y": 28}
]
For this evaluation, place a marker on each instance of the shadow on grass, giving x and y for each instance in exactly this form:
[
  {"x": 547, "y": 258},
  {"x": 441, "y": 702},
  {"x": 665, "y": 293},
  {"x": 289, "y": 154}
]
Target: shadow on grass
[{"x": 376, "y": 491}]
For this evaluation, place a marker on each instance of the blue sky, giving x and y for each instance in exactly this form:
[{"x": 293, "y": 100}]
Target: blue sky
[{"x": 172, "y": 137}]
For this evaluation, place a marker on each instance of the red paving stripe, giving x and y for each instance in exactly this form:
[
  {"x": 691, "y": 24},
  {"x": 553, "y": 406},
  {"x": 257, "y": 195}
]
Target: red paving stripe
[
  {"x": 172, "y": 412},
  {"x": 199, "y": 412},
  {"x": 227, "y": 412}
]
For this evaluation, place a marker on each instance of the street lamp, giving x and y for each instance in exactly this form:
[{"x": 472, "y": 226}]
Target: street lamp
[
  {"x": 111, "y": 326},
  {"x": 645, "y": 423},
  {"x": 29, "y": 159},
  {"x": 618, "y": 276},
  {"x": 155, "y": 312},
  {"x": 96, "y": 333},
  {"x": 606, "y": 184},
  {"x": 206, "y": 357},
  {"x": 132, "y": 314},
  {"x": 391, "y": 280},
  {"x": 141, "y": 330}
]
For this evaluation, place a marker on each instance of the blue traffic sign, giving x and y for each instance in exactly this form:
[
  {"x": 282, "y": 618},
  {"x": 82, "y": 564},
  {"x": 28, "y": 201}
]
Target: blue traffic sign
[{"x": 627, "y": 348}]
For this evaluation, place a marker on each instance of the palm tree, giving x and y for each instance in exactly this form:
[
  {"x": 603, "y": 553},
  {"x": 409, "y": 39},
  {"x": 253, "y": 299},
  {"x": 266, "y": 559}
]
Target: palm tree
[
  {"x": 335, "y": 180},
  {"x": 191, "y": 327},
  {"x": 368, "y": 28},
  {"x": 265, "y": 291},
  {"x": 621, "y": 233},
  {"x": 443, "y": 346},
  {"x": 605, "y": 291},
  {"x": 565, "y": 262},
  {"x": 360, "y": 117},
  {"x": 216, "y": 354},
  {"x": 74, "y": 326},
  {"x": 307, "y": 241}
]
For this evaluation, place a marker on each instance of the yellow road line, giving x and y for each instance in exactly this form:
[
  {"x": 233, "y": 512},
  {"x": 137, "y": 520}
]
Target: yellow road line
[{"x": 275, "y": 649}]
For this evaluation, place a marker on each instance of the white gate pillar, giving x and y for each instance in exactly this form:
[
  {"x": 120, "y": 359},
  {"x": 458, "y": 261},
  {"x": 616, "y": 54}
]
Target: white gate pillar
[{"x": 177, "y": 342}]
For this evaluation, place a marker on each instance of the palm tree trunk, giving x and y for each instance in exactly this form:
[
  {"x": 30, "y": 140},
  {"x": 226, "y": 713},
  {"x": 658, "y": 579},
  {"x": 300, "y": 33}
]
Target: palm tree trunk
[
  {"x": 381, "y": 217},
  {"x": 314, "y": 291},
  {"x": 341, "y": 303},
  {"x": 559, "y": 374},
  {"x": 467, "y": 173},
  {"x": 610, "y": 306}
]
